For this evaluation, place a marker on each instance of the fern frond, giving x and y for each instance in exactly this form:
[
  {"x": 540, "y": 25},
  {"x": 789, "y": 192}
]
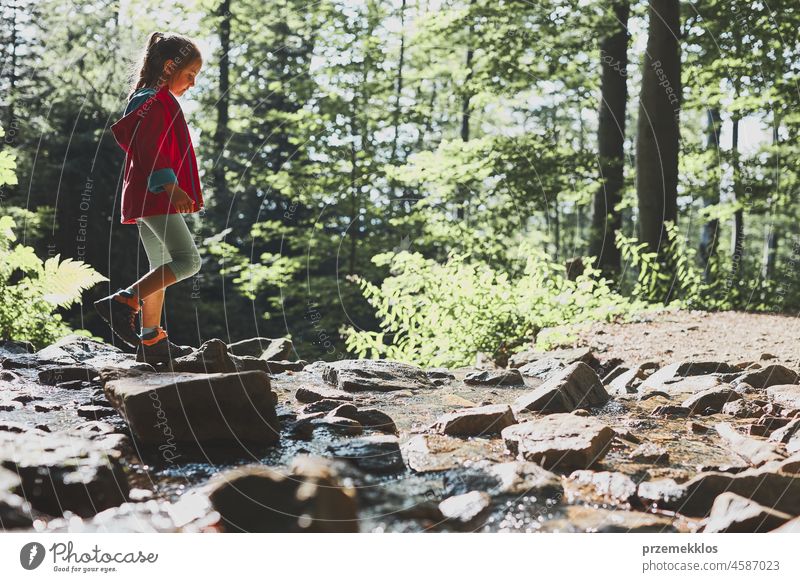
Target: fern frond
[{"x": 65, "y": 280}]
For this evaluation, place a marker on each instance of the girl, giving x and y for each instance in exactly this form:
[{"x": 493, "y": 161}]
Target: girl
[{"x": 161, "y": 182}]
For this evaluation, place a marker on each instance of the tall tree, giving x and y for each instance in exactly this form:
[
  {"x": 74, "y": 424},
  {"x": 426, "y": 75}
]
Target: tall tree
[
  {"x": 658, "y": 130},
  {"x": 607, "y": 220}
]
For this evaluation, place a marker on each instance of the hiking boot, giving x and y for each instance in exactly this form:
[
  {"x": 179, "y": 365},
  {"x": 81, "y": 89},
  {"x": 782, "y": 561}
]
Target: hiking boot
[
  {"x": 155, "y": 347},
  {"x": 120, "y": 311}
]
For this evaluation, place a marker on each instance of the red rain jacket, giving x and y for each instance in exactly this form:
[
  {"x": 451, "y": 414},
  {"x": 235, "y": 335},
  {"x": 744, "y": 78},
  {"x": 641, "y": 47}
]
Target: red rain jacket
[{"x": 155, "y": 137}]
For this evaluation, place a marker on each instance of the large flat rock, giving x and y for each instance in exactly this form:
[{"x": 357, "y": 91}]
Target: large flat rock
[
  {"x": 477, "y": 421},
  {"x": 375, "y": 375},
  {"x": 195, "y": 408},
  {"x": 560, "y": 441},
  {"x": 576, "y": 386}
]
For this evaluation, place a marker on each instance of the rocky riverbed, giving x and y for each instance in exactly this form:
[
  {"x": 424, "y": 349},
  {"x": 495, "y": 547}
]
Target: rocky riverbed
[{"x": 235, "y": 437}]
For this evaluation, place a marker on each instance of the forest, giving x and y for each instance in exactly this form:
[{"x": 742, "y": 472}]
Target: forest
[{"x": 419, "y": 180}]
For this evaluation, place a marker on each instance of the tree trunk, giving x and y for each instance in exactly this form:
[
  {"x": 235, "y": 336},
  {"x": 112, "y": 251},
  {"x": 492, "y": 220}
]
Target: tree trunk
[
  {"x": 658, "y": 130},
  {"x": 737, "y": 236},
  {"x": 463, "y": 193},
  {"x": 223, "y": 102},
  {"x": 710, "y": 233},
  {"x": 606, "y": 221}
]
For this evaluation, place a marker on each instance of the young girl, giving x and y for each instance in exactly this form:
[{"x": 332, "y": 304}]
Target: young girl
[{"x": 161, "y": 182}]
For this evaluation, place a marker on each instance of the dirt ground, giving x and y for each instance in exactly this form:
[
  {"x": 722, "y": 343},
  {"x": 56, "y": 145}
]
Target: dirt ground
[{"x": 671, "y": 336}]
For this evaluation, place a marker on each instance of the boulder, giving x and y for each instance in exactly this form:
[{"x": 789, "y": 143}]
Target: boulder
[
  {"x": 611, "y": 486},
  {"x": 772, "y": 375},
  {"x": 58, "y": 374},
  {"x": 468, "y": 510},
  {"x": 307, "y": 498},
  {"x": 787, "y": 395},
  {"x": 256, "y": 347},
  {"x": 688, "y": 377},
  {"x": 694, "y": 498},
  {"x": 373, "y": 454},
  {"x": 566, "y": 356},
  {"x": 377, "y": 375},
  {"x": 625, "y": 382},
  {"x": 560, "y": 441},
  {"x": 307, "y": 394},
  {"x": 543, "y": 368},
  {"x": 211, "y": 357},
  {"x": 481, "y": 420},
  {"x": 370, "y": 418},
  {"x": 512, "y": 478},
  {"x": 755, "y": 452},
  {"x": 789, "y": 435},
  {"x": 576, "y": 386},
  {"x": 501, "y": 377},
  {"x": 59, "y": 472},
  {"x": 710, "y": 401},
  {"x": 741, "y": 408},
  {"x": 650, "y": 453},
  {"x": 195, "y": 408},
  {"x": 732, "y": 513}
]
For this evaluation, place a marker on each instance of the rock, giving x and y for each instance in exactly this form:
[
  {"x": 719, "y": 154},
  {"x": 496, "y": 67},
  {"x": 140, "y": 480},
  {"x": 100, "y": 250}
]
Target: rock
[
  {"x": 373, "y": 454},
  {"x": 337, "y": 425},
  {"x": 57, "y": 375},
  {"x": 559, "y": 441},
  {"x": 788, "y": 435},
  {"x": 247, "y": 363},
  {"x": 543, "y": 368},
  {"x": 754, "y": 451},
  {"x": 281, "y": 366},
  {"x": 566, "y": 356},
  {"x": 372, "y": 418},
  {"x": 792, "y": 526},
  {"x": 587, "y": 519},
  {"x": 16, "y": 346},
  {"x": 211, "y": 357},
  {"x": 650, "y": 453},
  {"x": 195, "y": 408},
  {"x": 626, "y": 382},
  {"x": 309, "y": 498},
  {"x": 787, "y": 395},
  {"x": 512, "y": 478},
  {"x": 576, "y": 386},
  {"x": 713, "y": 399},
  {"x": 377, "y": 375},
  {"x": 455, "y": 400},
  {"x": 501, "y": 377},
  {"x": 733, "y": 513},
  {"x": 280, "y": 349},
  {"x": 790, "y": 465},
  {"x": 741, "y": 408},
  {"x": 696, "y": 428},
  {"x": 60, "y": 472},
  {"x": 481, "y": 420},
  {"x": 468, "y": 510},
  {"x": 94, "y": 428},
  {"x": 93, "y": 412},
  {"x": 324, "y": 405},
  {"x": 670, "y": 410},
  {"x": 688, "y": 377},
  {"x": 772, "y": 375},
  {"x": 256, "y": 347},
  {"x": 308, "y": 394},
  {"x": 778, "y": 491},
  {"x": 440, "y": 376},
  {"x": 609, "y": 485}
]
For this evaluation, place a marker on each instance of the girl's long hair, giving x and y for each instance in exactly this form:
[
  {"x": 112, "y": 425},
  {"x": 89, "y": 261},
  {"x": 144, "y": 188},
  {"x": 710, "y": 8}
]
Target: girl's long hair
[{"x": 161, "y": 47}]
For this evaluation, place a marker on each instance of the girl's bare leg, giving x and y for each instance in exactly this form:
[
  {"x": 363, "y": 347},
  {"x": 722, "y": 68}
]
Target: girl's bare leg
[{"x": 150, "y": 289}]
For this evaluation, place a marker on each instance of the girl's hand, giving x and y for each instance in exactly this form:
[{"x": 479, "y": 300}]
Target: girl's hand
[{"x": 178, "y": 198}]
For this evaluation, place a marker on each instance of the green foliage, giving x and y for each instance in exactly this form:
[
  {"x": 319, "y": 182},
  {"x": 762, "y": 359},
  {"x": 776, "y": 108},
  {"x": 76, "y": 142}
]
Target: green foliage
[
  {"x": 31, "y": 289},
  {"x": 442, "y": 314}
]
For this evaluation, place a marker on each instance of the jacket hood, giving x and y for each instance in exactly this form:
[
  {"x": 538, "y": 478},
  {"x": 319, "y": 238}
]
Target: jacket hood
[{"x": 125, "y": 128}]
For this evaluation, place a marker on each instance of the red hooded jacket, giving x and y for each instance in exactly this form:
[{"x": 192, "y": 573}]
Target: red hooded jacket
[{"x": 158, "y": 150}]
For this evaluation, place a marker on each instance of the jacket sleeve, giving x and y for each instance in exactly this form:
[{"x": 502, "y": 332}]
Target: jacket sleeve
[{"x": 151, "y": 148}]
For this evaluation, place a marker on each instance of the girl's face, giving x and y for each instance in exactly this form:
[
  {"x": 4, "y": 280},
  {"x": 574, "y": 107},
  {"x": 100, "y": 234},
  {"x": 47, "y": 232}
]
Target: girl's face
[{"x": 181, "y": 80}]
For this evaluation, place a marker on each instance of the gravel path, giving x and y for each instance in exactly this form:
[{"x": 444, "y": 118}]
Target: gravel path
[{"x": 670, "y": 336}]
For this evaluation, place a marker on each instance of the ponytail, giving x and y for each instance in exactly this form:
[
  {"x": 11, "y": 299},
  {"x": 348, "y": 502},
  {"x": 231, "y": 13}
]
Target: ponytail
[{"x": 162, "y": 47}]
